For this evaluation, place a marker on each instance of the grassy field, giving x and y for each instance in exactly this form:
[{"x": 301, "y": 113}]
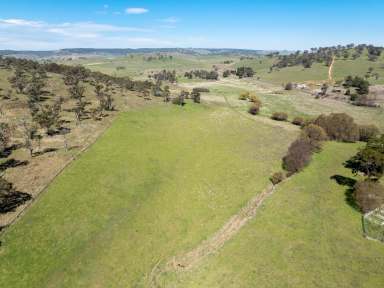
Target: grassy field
[
  {"x": 158, "y": 182},
  {"x": 137, "y": 67},
  {"x": 294, "y": 103},
  {"x": 306, "y": 235},
  {"x": 318, "y": 72}
]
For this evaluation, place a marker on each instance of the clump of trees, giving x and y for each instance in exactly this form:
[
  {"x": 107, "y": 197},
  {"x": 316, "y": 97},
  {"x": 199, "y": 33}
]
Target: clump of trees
[
  {"x": 339, "y": 127},
  {"x": 361, "y": 86},
  {"x": 228, "y": 73},
  {"x": 325, "y": 55},
  {"x": 369, "y": 161},
  {"x": 244, "y": 72},
  {"x": 202, "y": 74},
  {"x": 165, "y": 75}
]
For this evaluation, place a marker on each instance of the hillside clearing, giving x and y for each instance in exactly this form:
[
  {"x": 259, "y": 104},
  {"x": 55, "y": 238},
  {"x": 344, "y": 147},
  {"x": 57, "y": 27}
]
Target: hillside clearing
[{"x": 160, "y": 181}]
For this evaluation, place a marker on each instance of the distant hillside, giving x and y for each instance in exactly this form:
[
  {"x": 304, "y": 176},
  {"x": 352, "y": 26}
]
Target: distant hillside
[{"x": 91, "y": 52}]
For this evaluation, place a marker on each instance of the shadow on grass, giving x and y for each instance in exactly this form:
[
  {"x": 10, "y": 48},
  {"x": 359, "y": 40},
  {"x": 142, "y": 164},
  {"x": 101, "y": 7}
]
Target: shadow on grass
[
  {"x": 12, "y": 163},
  {"x": 349, "y": 183}
]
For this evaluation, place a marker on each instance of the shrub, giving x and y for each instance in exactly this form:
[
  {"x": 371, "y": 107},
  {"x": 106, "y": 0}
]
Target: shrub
[
  {"x": 277, "y": 177},
  {"x": 253, "y": 98},
  {"x": 201, "y": 90},
  {"x": 254, "y": 108},
  {"x": 339, "y": 127},
  {"x": 298, "y": 156},
  {"x": 368, "y": 195},
  {"x": 244, "y": 96},
  {"x": 367, "y": 132},
  {"x": 279, "y": 116},
  {"x": 299, "y": 121},
  {"x": 315, "y": 134},
  {"x": 288, "y": 86}
]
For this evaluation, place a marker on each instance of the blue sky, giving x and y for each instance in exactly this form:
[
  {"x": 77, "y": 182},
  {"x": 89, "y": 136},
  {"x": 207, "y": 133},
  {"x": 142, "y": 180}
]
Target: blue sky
[{"x": 258, "y": 24}]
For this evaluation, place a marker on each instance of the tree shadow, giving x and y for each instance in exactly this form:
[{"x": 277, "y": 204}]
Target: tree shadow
[
  {"x": 349, "y": 183},
  {"x": 8, "y": 151},
  {"x": 12, "y": 163},
  {"x": 46, "y": 150}
]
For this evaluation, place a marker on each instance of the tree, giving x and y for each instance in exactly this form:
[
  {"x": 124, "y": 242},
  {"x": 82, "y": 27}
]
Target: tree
[
  {"x": 166, "y": 94},
  {"x": 5, "y": 136},
  {"x": 315, "y": 135},
  {"x": 369, "y": 160},
  {"x": 34, "y": 89},
  {"x": 243, "y": 72},
  {"x": 195, "y": 95},
  {"x": 339, "y": 127},
  {"x": 19, "y": 80},
  {"x": 298, "y": 156},
  {"x": 30, "y": 135},
  {"x": 368, "y": 132},
  {"x": 368, "y": 195},
  {"x": 48, "y": 116}
]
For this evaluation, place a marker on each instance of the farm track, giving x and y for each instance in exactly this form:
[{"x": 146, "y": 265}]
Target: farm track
[
  {"x": 330, "y": 70},
  {"x": 190, "y": 259}
]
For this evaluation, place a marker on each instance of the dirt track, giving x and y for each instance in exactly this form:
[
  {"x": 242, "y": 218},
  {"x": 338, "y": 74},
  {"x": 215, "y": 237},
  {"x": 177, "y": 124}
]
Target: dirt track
[{"x": 190, "y": 259}]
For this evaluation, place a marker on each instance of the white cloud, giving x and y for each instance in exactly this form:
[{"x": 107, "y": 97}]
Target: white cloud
[
  {"x": 136, "y": 10},
  {"x": 24, "y": 34},
  {"x": 171, "y": 20},
  {"x": 21, "y": 22},
  {"x": 105, "y": 6}
]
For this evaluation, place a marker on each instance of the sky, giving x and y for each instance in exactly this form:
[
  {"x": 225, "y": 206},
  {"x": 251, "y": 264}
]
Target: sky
[{"x": 257, "y": 24}]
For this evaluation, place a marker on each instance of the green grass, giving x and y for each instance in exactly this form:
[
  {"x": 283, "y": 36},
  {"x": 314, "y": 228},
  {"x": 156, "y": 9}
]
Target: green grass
[
  {"x": 318, "y": 72},
  {"x": 306, "y": 235},
  {"x": 295, "y": 104},
  {"x": 160, "y": 181},
  {"x": 135, "y": 65}
]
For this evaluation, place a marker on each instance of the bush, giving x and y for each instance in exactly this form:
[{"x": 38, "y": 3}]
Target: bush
[
  {"x": 315, "y": 134},
  {"x": 279, "y": 116},
  {"x": 298, "y": 156},
  {"x": 368, "y": 195},
  {"x": 201, "y": 90},
  {"x": 277, "y": 177},
  {"x": 299, "y": 121},
  {"x": 288, "y": 86},
  {"x": 367, "y": 132},
  {"x": 244, "y": 96},
  {"x": 339, "y": 127},
  {"x": 254, "y": 108},
  {"x": 253, "y": 98}
]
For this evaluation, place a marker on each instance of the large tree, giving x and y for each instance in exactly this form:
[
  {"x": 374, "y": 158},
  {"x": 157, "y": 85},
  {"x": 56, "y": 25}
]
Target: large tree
[{"x": 370, "y": 159}]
